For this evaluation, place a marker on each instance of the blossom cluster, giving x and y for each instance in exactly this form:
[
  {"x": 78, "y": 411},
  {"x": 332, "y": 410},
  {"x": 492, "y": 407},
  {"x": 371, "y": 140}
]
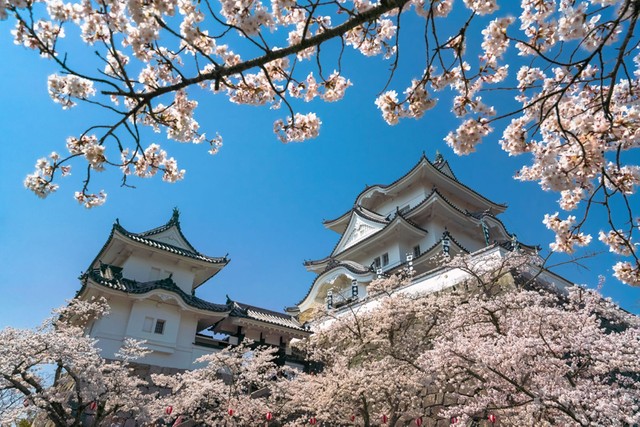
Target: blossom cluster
[
  {"x": 300, "y": 128},
  {"x": 63, "y": 89},
  {"x": 576, "y": 112},
  {"x": 527, "y": 357},
  {"x": 147, "y": 163},
  {"x": 566, "y": 236}
]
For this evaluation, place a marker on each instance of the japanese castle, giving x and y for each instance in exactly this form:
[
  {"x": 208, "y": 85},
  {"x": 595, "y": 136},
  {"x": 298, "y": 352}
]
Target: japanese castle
[
  {"x": 405, "y": 225},
  {"x": 150, "y": 278},
  {"x": 150, "y": 281}
]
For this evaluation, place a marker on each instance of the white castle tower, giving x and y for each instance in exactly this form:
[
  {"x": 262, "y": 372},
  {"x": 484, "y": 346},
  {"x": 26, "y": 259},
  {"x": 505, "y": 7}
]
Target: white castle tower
[
  {"x": 404, "y": 225},
  {"x": 150, "y": 281}
]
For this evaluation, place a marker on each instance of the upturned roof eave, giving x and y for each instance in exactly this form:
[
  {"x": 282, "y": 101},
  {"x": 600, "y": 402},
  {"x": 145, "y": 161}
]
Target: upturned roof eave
[
  {"x": 194, "y": 257},
  {"x": 338, "y": 223},
  {"x": 325, "y": 273},
  {"x": 398, "y": 220},
  {"x": 249, "y": 321},
  {"x": 182, "y": 298},
  {"x": 424, "y": 162}
]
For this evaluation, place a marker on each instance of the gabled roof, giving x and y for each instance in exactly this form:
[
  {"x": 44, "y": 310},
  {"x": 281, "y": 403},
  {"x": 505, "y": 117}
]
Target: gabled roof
[
  {"x": 340, "y": 224},
  {"x": 183, "y": 247},
  {"x": 399, "y": 220},
  {"x": 118, "y": 283},
  {"x": 238, "y": 309},
  {"x": 158, "y": 239},
  {"x": 138, "y": 237},
  {"x": 359, "y": 228},
  {"x": 439, "y": 170},
  {"x": 443, "y": 166},
  {"x": 174, "y": 222}
]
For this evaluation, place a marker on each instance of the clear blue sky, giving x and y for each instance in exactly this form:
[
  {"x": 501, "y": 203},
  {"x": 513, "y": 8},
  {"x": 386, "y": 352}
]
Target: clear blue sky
[{"x": 258, "y": 200}]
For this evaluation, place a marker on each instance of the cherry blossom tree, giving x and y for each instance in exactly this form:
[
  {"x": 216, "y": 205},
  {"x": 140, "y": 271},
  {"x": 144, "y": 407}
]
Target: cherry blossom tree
[
  {"x": 508, "y": 348},
  {"x": 237, "y": 386},
  {"x": 56, "y": 372},
  {"x": 574, "y": 80}
]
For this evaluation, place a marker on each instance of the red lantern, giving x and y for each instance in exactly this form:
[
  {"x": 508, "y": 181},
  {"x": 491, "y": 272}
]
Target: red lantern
[
  {"x": 269, "y": 416},
  {"x": 168, "y": 410},
  {"x": 230, "y": 412},
  {"x": 312, "y": 420},
  {"x": 93, "y": 405},
  {"x": 353, "y": 418},
  {"x": 419, "y": 421},
  {"x": 454, "y": 420},
  {"x": 491, "y": 418},
  {"x": 385, "y": 419}
]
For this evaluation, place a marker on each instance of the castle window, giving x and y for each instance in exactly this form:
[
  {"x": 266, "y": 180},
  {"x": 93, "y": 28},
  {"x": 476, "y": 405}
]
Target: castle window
[
  {"x": 148, "y": 324},
  {"x": 376, "y": 262},
  {"x": 416, "y": 251},
  {"x": 385, "y": 258},
  {"x": 159, "y": 329}
]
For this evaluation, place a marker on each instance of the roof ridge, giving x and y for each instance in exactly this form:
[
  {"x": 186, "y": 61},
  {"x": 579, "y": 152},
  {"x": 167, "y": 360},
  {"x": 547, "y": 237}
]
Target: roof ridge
[
  {"x": 424, "y": 157},
  {"x": 388, "y": 224},
  {"x": 167, "y": 246},
  {"x": 136, "y": 287},
  {"x": 174, "y": 221}
]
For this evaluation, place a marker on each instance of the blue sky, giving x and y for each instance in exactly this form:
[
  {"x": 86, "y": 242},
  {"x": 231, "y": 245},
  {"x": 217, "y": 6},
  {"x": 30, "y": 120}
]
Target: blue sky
[{"x": 258, "y": 200}]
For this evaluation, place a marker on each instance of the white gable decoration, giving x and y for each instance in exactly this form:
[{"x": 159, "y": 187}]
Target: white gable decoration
[{"x": 357, "y": 230}]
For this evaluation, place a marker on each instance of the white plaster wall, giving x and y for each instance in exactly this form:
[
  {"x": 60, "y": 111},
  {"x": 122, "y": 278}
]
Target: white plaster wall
[
  {"x": 457, "y": 201},
  {"x": 410, "y": 197},
  {"x": 174, "y": 348},
  {"x": 187, "y": 330},
  {"x": 167, "y": 341},
  {"x": 139, "y": 268},
  {"x": 115, "y": 323},
  {"x": 110, "y": 330},
  {"x": 471, "y": 238}
]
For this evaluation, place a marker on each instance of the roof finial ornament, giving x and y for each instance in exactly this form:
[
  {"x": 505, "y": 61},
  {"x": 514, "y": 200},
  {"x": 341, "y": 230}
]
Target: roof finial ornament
[
  {"x": 229, "y": 300},
  {"x": 439, "y": 157},
  {"x": 175, "y": 217}
]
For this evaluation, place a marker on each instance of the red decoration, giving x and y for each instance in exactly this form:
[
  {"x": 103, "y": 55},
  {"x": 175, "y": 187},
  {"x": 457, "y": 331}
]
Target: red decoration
[
  {"x": 230, "y": 412},
  {"x": 168, "y": 410},
  {"x": 385, "y": 419},
  {"x": 312, "y": 420},
  {"x": 491, "y": 418},
  {"x": 353, "y": 418},
  {"x": 454, "y": 420},
  {"x": 269, "y": 416},
  {"x": 419, "y": 421},
  {"x": 93, "y": 405}
]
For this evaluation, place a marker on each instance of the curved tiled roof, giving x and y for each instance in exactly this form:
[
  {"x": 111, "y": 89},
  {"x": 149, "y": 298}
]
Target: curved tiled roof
[
  {"x": 369, "y": 237},
  {"x": 352, "y": 266},
  {"x": 346, "y": 264},
  {"x": 141, "y": 238},
  {"x": 173, "y": 222},
  {"x": 263, "y": 315},
  {"x": 362, "y": 211},
  {"x": 424, "y": 158},
  {"x": 129, "y": 286}
]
